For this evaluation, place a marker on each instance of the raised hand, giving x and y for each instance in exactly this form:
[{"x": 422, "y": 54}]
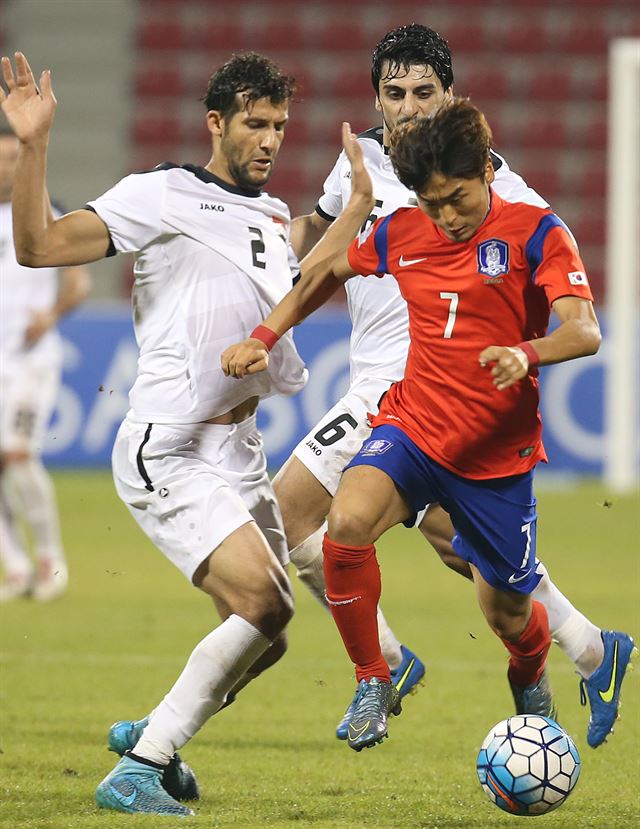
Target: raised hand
[
  {"x": 360, "y": 179},
  {"x": 29, "y": 110}
]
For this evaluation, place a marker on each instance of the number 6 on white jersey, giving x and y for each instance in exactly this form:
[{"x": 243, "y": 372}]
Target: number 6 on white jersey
[{"x": 453, "y": 308}]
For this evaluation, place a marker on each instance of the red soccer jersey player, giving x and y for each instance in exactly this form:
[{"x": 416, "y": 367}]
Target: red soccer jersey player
[
  {"x": 462, "y": 428},
  {"x": 496, "y": 287}
]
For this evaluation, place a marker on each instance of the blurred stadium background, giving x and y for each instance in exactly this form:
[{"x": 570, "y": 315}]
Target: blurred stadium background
[{"x": 128, "y": 75}]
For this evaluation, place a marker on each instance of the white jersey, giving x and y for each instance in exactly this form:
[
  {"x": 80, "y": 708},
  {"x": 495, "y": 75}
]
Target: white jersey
[
  {"x": 380, "y": 322},
  {"x": 212, "y": 261},
  {"x": 24, "y": 291}
]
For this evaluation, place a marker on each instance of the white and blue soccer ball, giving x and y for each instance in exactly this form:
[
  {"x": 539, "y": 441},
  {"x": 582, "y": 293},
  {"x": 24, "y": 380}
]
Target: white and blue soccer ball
[{"x": 528, "y": 765}]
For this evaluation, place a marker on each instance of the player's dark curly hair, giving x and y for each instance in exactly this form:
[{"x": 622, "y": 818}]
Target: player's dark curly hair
[
  {"x": 454, "y": 141},
  {"x": 247, "y": 72},
  {"x": 408, "y": 46}
]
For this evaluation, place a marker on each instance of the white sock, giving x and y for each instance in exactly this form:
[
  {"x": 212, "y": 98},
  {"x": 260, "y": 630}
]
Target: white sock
[
  {"x": 388, "y": 643},
  {"x": 13, "y": 556},
  {"x": 35, "y": 501},
  {"x": 307, "y": 557},
  {"x": 217, "y": 664},
  {"x": 578, "y": 637}
]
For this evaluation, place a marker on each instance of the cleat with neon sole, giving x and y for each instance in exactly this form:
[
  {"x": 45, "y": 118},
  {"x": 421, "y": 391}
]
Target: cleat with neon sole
[
  {"x": 602, "y": 689},
  {"x": 373, "y": 703},
  {"x": 407, "y": 678}
]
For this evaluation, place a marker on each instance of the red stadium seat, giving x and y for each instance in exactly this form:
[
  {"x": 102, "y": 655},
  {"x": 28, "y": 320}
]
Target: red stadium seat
[
  {"x": 283, "y": 36},
  {"x": 487, "y": 85},
  {"x": 583, "y": 39},
  {"x": 160, "y": 130},
  {"x": 465, "y": 37},
  {"x": 590, "y": 228},
  {"x": 336, "y": 37},
  {"x": 525, "y": 39},
  {"x": 215, "y": 34},
  {"x": 162, "y": 34},
  {"x": 551, "y": 85},
  {"x": 352, "y": 84},
  {"x": 159, "y": 82},
  {"x": 544, "y": 179},
  {"x": 543, "y": 132}
]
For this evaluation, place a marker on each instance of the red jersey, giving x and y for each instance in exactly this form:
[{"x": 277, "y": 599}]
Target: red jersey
[{"x": 495, "y": 289}]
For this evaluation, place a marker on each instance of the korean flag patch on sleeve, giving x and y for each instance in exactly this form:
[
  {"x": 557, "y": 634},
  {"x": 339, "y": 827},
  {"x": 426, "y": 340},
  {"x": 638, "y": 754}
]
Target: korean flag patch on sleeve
[{"x": 578, "y": 278}]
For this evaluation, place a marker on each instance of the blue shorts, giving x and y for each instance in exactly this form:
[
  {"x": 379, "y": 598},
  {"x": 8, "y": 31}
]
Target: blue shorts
[{"x": 494, "y": 520}]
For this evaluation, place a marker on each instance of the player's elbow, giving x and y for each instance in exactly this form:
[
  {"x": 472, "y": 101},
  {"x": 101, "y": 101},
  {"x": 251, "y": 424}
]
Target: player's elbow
[
  {"x": 591, "y": 339},
  {"x": 29, "y": 257}
]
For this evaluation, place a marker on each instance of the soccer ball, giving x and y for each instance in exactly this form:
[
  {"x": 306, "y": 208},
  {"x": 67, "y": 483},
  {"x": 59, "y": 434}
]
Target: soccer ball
[{"x": 528, "y": 765}]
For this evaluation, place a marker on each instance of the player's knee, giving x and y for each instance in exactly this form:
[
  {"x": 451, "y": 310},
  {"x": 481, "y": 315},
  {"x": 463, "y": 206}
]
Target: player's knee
[
  {"x": 273, "y": 609},
  {"x": 348, "y": 525},
  {"x": 507, "y": 625}
]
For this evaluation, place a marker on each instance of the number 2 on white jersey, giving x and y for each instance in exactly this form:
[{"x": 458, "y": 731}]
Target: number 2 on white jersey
[{"x": 453, "y": 309}]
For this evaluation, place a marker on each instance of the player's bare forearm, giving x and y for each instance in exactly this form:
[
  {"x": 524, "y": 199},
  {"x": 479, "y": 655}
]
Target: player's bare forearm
[
  {"x": 578, "y": 335},
  {"x": 306, "y": 231}
]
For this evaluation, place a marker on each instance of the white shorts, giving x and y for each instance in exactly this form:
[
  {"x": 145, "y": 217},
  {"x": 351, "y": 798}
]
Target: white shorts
[
  {"x": 191, "y": 486},
  {"x": 27, "y": 396},
  {"x": 335, "y": 439}
]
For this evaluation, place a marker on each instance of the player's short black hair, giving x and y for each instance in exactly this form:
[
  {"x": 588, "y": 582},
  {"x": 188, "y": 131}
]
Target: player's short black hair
[
  {"x": 412, "y": 45},
  {"x": 455, "y": 141},
  {"x": 250, "y": 73}
]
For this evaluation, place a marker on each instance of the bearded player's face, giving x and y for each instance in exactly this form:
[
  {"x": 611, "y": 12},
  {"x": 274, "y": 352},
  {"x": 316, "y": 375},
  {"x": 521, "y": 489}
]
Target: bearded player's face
[
  {"x": 412, "y": 93},
  {"x": 250, "y": 141}
]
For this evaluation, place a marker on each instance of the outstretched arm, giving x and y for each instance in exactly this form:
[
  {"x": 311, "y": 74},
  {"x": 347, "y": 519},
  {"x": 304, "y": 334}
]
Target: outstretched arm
[
  {"x": 323, "y": 269},
  {"x": 578, "y": 335},
  {"x": 41, "y": 240}
]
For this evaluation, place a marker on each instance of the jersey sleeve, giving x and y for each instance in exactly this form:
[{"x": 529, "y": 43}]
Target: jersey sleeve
[
  {"x": 554, "y": 260},
  {"x": 330, "y": 202},
  {"x": 132, "y": 210},
  {"x": 368, "y": 253}
]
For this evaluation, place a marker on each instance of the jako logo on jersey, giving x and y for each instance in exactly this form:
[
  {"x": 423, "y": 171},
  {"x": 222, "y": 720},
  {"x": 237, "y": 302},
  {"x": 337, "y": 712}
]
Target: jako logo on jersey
[
  {"x": 376, "y": 447},
  {"x": 493, "y": 257},
  {"x": 578, "y": 278},
  {"x": 219, "y": 208}
]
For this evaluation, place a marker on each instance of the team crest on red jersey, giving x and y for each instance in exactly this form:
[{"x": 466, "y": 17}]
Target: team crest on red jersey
[{"x": 493, "y": 257}]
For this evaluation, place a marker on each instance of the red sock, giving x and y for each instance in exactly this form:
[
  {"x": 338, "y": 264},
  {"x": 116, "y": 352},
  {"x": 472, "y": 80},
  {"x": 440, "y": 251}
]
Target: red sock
[
  {"x": 352, "y": 577},
  {"x": 529, "y": 653}
]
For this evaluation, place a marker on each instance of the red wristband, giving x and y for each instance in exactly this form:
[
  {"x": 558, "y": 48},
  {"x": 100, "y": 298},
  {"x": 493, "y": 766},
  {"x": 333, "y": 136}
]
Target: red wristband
[
  {"x": 268, "y": 337},
  {"x": 532, "y": 355}
]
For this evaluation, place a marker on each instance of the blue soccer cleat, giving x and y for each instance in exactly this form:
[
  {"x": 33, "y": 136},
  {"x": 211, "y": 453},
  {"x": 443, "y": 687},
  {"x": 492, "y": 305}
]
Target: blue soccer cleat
[
  {"x": 409, "y": 673},
  {"x": 136, "y": 787},
  {"x": 178, "y": 779},
  {"x": 602, "y": 689},
  {"x": 406, "y": 678}
]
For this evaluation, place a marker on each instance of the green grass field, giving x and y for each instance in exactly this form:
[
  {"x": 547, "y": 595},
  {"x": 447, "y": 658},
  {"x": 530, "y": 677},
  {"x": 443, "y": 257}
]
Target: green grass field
[{"x": 114, "y": 644}]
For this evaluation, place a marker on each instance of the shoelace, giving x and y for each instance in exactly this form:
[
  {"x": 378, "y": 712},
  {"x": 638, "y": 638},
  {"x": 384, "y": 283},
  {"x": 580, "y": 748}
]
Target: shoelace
[{"x": 370, "y": 700}]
